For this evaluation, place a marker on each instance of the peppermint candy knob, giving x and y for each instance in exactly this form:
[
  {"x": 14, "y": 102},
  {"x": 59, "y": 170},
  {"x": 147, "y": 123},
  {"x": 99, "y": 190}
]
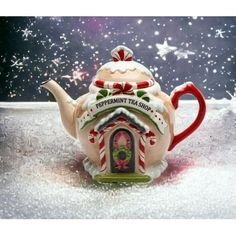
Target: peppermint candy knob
[{"x": 122, "y": 53}]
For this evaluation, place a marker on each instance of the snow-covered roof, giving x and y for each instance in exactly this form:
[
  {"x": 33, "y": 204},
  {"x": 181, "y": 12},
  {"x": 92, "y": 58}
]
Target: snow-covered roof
[{"x": 124, "y": 112}]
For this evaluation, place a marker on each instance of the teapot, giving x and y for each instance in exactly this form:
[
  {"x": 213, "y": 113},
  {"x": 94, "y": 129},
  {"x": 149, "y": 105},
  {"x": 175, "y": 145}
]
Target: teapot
[{"x": 125, "y": 123}]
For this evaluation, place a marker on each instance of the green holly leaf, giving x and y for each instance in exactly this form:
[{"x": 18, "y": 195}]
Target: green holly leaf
[
  {"x": 140, "y": 93},
  {"x": 103, "y": 92},
  {"x": 147, "y": 99},
  {"x": 99, "y": 97}
]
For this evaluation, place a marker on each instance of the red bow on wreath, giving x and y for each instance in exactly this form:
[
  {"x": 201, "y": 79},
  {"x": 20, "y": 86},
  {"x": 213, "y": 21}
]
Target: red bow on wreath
[
  {"x": 121, "y": 164},
  {"x": 122, "y": 88}
]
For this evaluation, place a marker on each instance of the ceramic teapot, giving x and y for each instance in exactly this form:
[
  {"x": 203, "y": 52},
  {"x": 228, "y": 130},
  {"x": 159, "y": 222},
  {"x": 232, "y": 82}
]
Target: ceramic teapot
[{"x": 125, "y": 123}]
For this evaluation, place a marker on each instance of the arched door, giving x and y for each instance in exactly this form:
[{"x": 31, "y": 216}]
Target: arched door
[{"x": 122, "y": 151}]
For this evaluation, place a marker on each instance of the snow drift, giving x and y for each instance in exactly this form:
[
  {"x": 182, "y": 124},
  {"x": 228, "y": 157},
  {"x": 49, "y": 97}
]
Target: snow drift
[{"x": 41, "y": 175}]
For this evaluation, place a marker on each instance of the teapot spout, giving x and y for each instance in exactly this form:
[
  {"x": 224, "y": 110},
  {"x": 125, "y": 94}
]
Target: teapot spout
[{"x": 66, "y": 105}]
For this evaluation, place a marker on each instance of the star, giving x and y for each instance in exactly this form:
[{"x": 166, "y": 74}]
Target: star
[
  {"x": 164, "y": 49},
  {"x": 183, "y": 54}
]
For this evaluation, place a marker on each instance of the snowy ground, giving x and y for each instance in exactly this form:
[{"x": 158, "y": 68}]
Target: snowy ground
[{"x": 41, "y": 174}]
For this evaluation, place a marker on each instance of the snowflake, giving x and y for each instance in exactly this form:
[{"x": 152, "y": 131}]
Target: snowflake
[
  {"x": 219, "y": 33},
  {"x": 27, "y": 33},
  {"x": 57, "y": 62},
  {"x": 76, "y": 75},
  {"x": 18, "y": 63}
]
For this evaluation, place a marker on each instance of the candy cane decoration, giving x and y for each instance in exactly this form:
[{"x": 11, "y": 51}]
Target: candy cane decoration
[
  {"x": 102, "y": 154},
  {"x": 142, "y": 141}
]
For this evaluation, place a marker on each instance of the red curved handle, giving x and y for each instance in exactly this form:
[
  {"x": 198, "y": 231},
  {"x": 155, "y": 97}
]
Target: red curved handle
[{"x": 175, "y": 95}]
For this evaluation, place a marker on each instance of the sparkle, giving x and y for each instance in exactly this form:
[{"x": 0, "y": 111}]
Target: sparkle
[{"x": 139, "y": 21}]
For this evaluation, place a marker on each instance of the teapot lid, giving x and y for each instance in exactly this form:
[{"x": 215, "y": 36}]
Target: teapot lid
[{"x": 122, "y": 61}]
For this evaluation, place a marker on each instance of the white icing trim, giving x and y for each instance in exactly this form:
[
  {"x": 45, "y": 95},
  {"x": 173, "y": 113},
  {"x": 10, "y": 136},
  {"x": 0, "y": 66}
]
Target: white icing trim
[
  {"x": 90, "y": 167},
  {"x": 180, "y": 87},
  {"x": 157, "y": 103},
  {"x": 156, "y": 171},
  {"x": 124, "y": 66},
  {"x": 117, "y": 112}
]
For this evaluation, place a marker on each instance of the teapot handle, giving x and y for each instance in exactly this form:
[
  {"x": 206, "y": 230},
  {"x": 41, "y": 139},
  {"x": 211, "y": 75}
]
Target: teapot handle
[{"x": 190, "y": 88}]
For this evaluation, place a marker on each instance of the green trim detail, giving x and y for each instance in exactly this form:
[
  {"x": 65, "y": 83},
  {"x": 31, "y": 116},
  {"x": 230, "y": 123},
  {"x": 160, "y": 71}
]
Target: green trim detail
[
  {"x": 128, "y": 108},
  {"x": 122, "y": 177}
]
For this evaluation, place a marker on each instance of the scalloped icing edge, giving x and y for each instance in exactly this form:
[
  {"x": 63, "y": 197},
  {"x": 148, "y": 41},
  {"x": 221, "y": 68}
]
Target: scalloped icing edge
[{"x": 124, "y": 66}]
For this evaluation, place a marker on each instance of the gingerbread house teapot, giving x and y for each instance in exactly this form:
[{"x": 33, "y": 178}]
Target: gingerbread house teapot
[{"x": 125, "y": 123}]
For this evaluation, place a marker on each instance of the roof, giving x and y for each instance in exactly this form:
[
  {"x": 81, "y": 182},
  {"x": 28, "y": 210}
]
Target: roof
[{"x": 131, "y": 118}]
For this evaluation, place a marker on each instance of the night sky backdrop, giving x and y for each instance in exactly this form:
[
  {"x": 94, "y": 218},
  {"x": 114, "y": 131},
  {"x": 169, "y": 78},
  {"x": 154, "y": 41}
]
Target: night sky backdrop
[{"x": 71, "y": 50}]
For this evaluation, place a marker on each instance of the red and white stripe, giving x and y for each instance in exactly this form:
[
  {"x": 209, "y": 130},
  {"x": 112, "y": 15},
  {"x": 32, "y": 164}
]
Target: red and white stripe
[
  {"x": 123, "y": 85},
  {"x": 122, "y": 53},
  {"x": 142, "y": 142},
  {"x": 102, "y": 154},
  {"x": 141, "y": 155}
]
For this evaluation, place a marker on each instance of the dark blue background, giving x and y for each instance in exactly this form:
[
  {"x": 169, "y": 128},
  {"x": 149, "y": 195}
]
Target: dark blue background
[{"x": 86, "y": 42}]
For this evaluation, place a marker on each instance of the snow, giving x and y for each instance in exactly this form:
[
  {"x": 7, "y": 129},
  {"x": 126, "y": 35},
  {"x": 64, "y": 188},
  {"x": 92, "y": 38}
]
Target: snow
[{"x": 41, "y": 173}]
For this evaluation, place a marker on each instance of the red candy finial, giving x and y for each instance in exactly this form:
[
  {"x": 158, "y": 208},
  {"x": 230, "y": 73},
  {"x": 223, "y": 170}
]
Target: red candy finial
[{"x": 122, "y": 53}]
